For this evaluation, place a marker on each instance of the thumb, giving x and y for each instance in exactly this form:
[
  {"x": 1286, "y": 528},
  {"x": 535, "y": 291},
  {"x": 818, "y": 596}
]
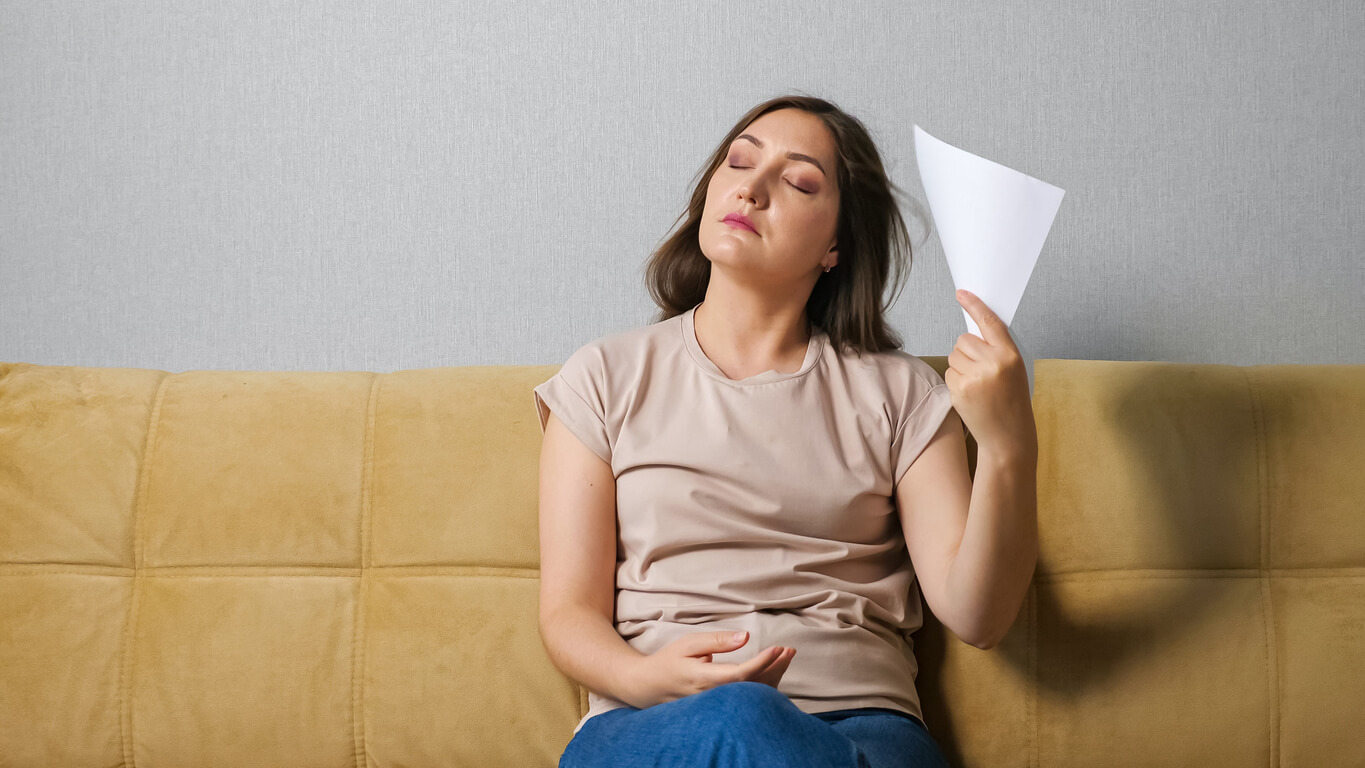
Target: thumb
[{"x": 728, "y": 639}]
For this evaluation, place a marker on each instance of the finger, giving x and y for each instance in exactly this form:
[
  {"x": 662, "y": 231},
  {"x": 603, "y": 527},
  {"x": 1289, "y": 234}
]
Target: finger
[
  {"x": 721, "y": 673},
  {"x": 990, "y": 323},
  {"x": 780, "y": 661},
  {"x": 959, "y": 361},
  {"x": 773, "y": 674},
  {"x": 973, "y": 346},
  {"x": 755, "y": 666},
  {"x": 748, "y": 669}
]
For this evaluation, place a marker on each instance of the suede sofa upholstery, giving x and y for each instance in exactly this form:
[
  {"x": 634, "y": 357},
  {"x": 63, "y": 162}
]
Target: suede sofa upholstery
[{"x": 340, "y": 569}]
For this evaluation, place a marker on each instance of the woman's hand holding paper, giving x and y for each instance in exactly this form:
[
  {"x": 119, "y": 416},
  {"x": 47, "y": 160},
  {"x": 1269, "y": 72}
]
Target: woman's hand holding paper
[{"x": 989, "y": 384}]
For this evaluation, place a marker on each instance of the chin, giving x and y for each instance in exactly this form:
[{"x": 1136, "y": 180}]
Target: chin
[{"x": 727, "y": 250}]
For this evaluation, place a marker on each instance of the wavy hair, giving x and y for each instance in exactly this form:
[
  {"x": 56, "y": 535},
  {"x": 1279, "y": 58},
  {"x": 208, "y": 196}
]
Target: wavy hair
[{"x": 846, "y": 302}]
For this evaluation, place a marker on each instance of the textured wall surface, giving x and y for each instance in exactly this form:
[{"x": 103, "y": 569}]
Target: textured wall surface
[{"x": 378, "y": 186}]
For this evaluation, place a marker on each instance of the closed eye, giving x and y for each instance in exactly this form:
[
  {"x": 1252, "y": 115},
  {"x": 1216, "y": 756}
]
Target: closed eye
[{"x": 798, "y": 189}]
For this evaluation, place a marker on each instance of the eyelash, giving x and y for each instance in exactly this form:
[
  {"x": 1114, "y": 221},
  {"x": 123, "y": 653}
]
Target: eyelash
[{"x": 798, "y": 189}]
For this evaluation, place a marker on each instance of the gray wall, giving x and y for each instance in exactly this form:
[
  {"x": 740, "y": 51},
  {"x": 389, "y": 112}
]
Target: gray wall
[{"x": 388, "y": 185}]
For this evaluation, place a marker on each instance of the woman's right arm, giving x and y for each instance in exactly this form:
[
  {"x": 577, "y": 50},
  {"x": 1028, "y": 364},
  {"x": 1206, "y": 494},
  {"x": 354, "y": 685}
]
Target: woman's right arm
[{"x": 578, "y": 564}]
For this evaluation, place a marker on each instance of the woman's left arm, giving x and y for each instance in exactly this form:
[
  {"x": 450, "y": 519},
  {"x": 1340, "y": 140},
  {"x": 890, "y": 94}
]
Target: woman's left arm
[{"x": 988, "y": 578}]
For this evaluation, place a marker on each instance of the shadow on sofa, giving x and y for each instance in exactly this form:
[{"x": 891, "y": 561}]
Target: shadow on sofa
[{"x": 1191, "y": 560}]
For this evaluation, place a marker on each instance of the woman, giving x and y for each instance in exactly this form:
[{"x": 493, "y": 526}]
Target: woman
[{"x": 784, "y": 476}]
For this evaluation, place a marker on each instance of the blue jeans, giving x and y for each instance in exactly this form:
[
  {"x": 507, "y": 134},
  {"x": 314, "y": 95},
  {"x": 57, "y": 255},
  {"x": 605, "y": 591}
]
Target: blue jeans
[{"x": 750, "y": 724}]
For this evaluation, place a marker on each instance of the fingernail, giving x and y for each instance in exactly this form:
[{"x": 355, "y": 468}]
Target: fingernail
[{"x": 738, "y": 636}]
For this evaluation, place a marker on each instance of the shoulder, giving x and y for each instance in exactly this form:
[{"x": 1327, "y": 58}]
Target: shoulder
[
  {"x": 891, "y": 382},
  {"x": 898, "y": 370},
  {"x": 624, "y": 351},
  {"x": 632, "y": 339}
]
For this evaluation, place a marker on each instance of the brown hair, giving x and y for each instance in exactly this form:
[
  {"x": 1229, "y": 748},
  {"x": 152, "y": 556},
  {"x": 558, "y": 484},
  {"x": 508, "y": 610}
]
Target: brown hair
[{"x": 846, "y": 302}]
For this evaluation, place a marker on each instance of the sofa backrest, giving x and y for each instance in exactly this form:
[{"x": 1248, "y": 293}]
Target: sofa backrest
[
  {"x": 338, "y": 568},
  {"x": 1200, "y": 591}
]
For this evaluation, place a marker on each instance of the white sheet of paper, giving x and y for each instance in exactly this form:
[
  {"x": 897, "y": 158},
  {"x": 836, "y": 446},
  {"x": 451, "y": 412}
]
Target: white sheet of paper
[{"x": 992, "y": 221}]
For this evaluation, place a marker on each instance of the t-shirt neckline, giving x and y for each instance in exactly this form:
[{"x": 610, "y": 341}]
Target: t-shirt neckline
[{"x": 814, "y": 349}]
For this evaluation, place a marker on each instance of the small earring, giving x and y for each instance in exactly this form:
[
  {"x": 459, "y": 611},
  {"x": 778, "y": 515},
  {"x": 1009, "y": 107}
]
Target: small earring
[{"x": 826, "y": 269}]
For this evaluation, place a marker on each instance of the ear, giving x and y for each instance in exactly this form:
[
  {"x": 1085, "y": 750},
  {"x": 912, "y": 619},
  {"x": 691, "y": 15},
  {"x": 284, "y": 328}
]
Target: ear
[{"x": 833, "y": 259}]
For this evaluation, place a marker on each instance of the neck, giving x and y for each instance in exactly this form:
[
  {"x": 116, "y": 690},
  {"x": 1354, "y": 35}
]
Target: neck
[{"x": 743, "y": 340}]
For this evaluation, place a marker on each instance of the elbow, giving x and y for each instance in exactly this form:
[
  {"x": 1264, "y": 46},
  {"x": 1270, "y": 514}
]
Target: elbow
[
  {"x": 985, "y": 645},
  {"x": 988, "y": 636},
  {"x": 974, "y": 630},
  {"x": 982, "y": 637},
  {"x": 973, "y": 638}
]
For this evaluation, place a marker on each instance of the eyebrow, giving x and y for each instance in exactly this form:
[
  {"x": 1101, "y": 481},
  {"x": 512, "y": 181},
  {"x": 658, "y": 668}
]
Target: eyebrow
[{"x": 792, "y": 155}]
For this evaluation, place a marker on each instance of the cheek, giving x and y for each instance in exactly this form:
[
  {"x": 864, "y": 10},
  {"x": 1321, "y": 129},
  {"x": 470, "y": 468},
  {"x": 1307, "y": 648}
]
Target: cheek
[{"x": 714, "y": 196}]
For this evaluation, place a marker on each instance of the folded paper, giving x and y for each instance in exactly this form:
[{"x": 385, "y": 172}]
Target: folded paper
[{"x": 992, "y": 221}]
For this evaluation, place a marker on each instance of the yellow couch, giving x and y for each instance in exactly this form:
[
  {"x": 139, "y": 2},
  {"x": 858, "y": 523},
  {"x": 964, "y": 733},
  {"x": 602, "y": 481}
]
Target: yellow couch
[{"x": 340, "y": 568}]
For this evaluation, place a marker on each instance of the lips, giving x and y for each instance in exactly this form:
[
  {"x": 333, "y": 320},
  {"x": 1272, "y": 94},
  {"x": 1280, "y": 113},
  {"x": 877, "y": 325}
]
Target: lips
[{"x": 740, "y": 221}]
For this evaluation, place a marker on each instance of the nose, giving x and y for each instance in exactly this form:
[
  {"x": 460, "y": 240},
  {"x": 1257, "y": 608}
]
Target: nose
[
  {"x": 750, "y": 191},
  {"x": 753, "y": 186}
]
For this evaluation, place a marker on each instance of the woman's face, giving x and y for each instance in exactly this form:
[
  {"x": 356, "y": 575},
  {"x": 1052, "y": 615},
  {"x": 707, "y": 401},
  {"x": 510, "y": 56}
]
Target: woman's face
[{"x": 792, "y": 201}]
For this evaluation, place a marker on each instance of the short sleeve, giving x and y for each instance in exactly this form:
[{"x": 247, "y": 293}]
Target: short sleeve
[
  {"x": 576, "y": 394},
  {"x": 920, "y": 424}
]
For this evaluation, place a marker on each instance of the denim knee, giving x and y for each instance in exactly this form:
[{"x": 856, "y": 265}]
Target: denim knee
[
  {"x": 758, "y": 725},
  {"x": 745, "y": 694},
  {"x": 745, "y": 704}
]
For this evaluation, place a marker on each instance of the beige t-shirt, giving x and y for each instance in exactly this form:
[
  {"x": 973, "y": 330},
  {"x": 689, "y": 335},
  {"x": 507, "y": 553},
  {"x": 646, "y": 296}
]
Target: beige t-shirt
[{"x": 763, "y": 504}]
